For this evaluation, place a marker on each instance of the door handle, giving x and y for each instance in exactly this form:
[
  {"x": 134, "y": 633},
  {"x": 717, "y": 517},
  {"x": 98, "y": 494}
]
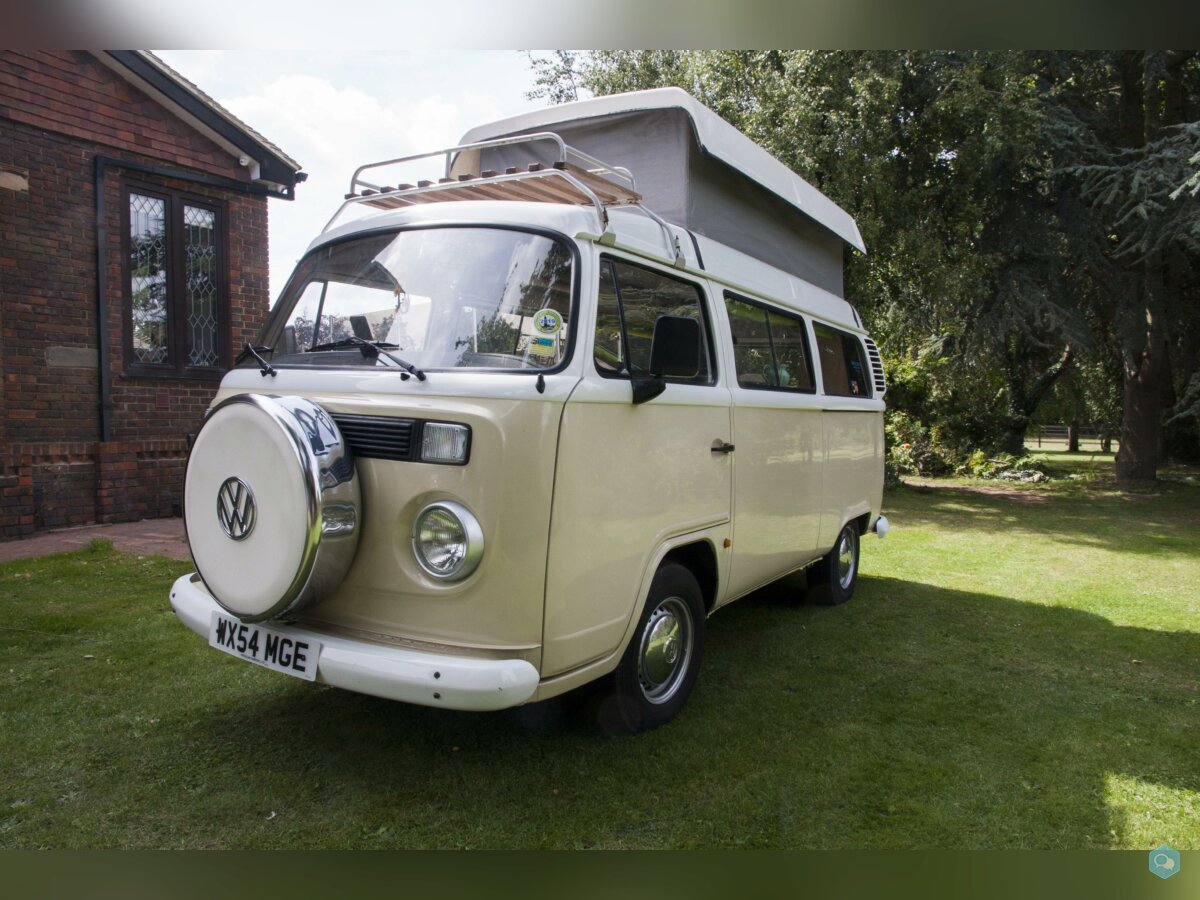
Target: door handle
[{"x": 719, "y": 446}]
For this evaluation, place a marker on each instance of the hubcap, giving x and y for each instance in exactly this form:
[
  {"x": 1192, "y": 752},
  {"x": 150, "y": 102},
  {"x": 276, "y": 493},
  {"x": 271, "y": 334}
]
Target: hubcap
[
  {"x": 666, "y": 647},
  {"x": 846, "y": 560}
]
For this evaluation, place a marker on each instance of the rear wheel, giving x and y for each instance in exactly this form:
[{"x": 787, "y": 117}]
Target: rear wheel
[
  {"x": 831, "y": 580},
  {"x": 655, "y": 676}
]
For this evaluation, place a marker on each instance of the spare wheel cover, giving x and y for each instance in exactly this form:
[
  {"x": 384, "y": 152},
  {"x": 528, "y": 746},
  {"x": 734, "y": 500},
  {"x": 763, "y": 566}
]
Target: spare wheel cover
[{"x": 271, "y": 505}]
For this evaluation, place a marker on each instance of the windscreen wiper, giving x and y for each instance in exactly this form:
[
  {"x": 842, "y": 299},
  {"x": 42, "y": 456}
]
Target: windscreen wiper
[
  {"x": 378, "y": 348},
  {"x": 264, "y": 367}
]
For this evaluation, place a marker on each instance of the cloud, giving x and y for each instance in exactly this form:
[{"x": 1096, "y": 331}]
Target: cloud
[
  {"x": 331, "y": 131},
  {"x": 333, "y": 110},
  {"x": 327, "y": 126}
]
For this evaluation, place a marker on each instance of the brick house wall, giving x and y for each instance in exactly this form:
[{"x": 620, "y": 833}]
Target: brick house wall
[{"x": 58, "y": 111}]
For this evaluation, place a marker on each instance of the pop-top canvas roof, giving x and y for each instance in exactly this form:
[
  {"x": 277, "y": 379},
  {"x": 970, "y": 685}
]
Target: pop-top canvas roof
[{"x": 696, "y": 170}]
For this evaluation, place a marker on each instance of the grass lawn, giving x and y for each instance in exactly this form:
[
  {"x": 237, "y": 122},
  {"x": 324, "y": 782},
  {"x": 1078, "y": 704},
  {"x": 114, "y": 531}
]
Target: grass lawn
[{"x": 1020, "y": 667}]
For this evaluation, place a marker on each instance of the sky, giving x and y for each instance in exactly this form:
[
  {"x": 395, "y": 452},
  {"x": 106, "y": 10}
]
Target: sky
[{"x": 332, "y": 111}]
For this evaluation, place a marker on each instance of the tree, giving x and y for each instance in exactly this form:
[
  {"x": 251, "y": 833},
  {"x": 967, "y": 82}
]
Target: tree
[
  {"x": 555, "y": 76},
  {"x": 1126, "y": 136},
  {"x": 941, "y": 158}
]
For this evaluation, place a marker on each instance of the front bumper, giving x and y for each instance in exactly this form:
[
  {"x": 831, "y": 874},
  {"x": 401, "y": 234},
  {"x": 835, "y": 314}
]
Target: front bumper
[{"x": 430, "y": 679}]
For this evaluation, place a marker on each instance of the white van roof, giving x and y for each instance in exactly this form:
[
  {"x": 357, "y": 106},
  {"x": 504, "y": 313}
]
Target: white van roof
[{"x": 714, "y": 135}]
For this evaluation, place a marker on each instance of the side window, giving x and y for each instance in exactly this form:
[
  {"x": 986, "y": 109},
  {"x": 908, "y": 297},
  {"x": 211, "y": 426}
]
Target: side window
[
  {"x": 791, "y": 351},
  {"x": 609, "y": 351},
  {"x": 770, "y": 348},
  {"x": 631, "y": 299},
  {"x": 843, "y": 369},
  {"x": 752, "y": 355}
]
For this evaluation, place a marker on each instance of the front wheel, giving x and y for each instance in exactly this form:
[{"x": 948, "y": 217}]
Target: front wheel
[
  {"x": 660, "y": 665},
  {"x": 831, "y": 580}
]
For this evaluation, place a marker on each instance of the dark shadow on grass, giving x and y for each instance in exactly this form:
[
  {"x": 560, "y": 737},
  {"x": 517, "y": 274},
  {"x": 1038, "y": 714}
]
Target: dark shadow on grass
[{"x": 911, "y": 717}]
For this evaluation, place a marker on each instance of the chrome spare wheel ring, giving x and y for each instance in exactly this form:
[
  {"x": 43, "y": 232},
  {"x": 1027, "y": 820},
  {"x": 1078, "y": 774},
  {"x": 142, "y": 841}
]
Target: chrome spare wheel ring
[
  {"x": 271, "y": 505},
  {"x": 846, "y": 559},
  {"x": 666, "y": 649}
]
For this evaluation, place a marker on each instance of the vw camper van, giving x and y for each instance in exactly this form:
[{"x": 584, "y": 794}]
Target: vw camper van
[{"x": 527, "y": 424}]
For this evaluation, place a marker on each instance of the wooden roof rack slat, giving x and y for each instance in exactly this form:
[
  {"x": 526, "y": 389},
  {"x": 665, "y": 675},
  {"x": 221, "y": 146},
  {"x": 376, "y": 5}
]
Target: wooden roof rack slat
[
  {"x": 490, "y": 186},
  {"x": 574, "y": 178}
]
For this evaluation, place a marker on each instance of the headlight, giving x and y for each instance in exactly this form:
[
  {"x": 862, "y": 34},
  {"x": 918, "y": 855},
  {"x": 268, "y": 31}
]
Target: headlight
[
  {"x": 445, "y": 442},
  {"x": 447, "y": 540}
]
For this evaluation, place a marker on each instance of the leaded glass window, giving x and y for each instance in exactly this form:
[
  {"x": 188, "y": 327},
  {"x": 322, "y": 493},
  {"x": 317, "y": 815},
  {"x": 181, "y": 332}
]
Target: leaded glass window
[
  {"x": 148, "y": 277},
  {"x": 176, "y": 295},
  {"x": 200, "y": 253}
]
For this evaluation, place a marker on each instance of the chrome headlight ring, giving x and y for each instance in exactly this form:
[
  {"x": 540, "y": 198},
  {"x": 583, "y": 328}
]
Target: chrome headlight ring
[{"x": 447, "y": 540}]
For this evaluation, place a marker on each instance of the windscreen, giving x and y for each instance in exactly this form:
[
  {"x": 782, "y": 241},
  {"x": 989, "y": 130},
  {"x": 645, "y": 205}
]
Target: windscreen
[{"x": 440, "y": 298}]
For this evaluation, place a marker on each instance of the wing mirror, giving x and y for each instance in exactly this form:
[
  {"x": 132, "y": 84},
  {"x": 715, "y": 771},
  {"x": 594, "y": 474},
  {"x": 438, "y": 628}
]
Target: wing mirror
[{"x": 674, "y": 353}]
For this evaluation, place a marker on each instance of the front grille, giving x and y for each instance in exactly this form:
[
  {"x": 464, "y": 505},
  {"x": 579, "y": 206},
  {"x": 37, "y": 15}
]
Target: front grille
[
  {"x": 876, "y": 367},
  {"x": 380, "y": 437}
]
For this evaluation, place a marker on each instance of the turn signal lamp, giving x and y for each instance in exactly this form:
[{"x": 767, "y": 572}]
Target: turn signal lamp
[{"x": 444, "y": 442}]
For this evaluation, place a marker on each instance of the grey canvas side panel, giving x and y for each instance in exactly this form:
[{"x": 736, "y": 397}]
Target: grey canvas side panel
[
  {"x": 690, "y": 188},
  {"x": 653, "y": 145},
  {"x": 726, "y": 207}
]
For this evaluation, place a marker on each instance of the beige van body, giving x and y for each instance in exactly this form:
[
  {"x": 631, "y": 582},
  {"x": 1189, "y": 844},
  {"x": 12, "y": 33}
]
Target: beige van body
[{"x": 586, "y": 535}]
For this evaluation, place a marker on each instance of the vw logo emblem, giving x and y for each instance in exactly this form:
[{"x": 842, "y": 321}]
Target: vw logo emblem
[{"x": 235, "y": 508}]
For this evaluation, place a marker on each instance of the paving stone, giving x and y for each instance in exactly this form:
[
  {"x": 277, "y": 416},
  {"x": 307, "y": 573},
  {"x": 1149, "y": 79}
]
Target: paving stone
[{"x": 150, "y": 537}]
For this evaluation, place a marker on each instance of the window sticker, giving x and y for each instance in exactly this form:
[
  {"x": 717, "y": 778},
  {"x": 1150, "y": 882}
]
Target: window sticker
[{"x": 546, "y": 323}]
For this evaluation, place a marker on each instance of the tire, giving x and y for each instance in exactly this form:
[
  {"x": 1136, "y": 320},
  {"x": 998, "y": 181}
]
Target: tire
[
  {"x": 832, "y": 579},
  {"x": 656, "y": 674}
]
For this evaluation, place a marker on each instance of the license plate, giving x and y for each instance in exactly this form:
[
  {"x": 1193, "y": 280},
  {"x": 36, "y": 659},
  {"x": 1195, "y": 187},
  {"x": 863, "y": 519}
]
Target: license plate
[{"x": 265, "y": 646}]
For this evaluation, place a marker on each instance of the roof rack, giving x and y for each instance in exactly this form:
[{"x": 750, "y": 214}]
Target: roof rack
[{"x": 573, "y": 178}]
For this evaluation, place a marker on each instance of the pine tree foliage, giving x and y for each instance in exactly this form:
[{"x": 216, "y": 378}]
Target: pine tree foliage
[{"x": 1149, "y": 194}]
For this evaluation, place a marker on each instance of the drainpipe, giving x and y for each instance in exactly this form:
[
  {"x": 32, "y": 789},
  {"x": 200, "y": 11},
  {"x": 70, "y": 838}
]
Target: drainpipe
[{"x": 102, "y": 301}]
